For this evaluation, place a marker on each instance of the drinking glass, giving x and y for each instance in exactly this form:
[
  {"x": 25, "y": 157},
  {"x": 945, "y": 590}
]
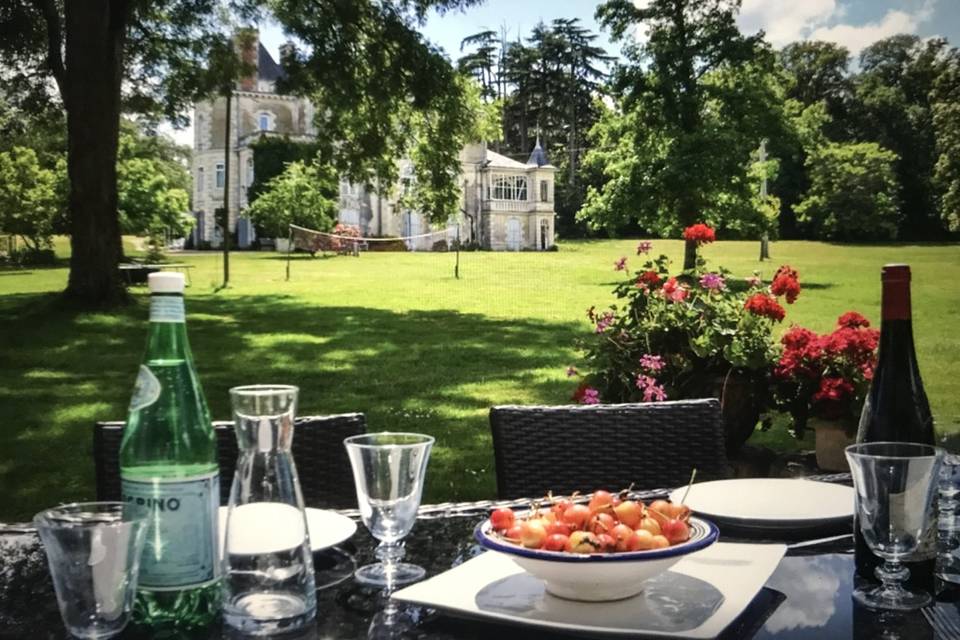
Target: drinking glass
[
  {"x": 93, "y": 549},
  {"x": 895, "y": 484},
  {"x": 948, "y": 519},
  {"x": 388, "y": 469},
  {"x": 268, "y": 580}
]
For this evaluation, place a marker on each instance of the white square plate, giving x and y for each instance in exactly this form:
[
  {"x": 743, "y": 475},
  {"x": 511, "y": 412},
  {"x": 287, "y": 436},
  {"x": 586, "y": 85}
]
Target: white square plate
[{"x": 697, "y": 598}]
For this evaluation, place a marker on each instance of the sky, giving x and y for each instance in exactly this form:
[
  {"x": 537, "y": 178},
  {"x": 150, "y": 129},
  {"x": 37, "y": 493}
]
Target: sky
[{"x": 852, "y": 23}]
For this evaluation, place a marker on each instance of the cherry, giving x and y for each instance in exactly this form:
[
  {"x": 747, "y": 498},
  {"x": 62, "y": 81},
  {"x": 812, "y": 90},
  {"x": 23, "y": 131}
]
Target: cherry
[
  {"x": 577, "y": 516},
  {"x": 532, "y": 534},
  {"x": 601, "y": 502},
  {"x": 676, "y": 531},
  {"x": 621, "y": 534},
  {"x": 556, "y": 542},
  {"x": 602, "y": 523},
  {"x": 583, "y": 542},
  {"x": 641, "y": 540},
  {"x": 629, "y": 513},
  {"x": 502, "y": 519}
]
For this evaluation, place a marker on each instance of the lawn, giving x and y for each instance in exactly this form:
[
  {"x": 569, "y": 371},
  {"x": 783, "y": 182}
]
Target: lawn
[{"x": 397, "y": 337}]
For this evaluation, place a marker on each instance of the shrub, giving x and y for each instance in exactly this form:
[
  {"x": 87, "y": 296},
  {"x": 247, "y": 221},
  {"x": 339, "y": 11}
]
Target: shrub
[{"x": 852, "y": 194}]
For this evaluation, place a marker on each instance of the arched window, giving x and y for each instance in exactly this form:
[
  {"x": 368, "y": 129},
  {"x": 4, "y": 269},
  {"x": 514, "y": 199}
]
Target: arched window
[
  {"x": 220, "y": 175},
  {"x": 265, "y": 121},
  {"x": 507, "y": 187}
]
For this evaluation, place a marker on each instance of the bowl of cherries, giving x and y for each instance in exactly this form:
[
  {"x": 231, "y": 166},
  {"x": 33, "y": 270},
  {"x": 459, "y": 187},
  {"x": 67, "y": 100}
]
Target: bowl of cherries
[{"x": 604, "y": 549}]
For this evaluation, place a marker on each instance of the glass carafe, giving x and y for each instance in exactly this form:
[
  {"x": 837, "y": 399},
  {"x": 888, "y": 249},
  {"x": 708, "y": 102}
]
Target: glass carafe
[{"x": 267, "y": 564}]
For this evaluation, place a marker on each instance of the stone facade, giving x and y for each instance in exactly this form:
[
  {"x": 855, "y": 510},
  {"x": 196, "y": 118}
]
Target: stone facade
[{"x": 507, "y": 205}]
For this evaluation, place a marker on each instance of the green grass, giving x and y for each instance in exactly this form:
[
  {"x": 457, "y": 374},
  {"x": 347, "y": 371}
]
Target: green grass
[{"x": 397, "y": 337}]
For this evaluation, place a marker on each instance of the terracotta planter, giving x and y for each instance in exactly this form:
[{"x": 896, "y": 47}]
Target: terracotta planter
[{"x": 831, "y": 439}]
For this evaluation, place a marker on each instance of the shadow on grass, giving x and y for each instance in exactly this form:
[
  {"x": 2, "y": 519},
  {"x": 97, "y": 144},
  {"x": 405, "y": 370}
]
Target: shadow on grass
[{"x": 431, "y": 371}]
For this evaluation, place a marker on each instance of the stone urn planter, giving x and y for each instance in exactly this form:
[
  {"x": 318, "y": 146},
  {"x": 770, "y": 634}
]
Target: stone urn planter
[
  {"x": 281, "y": 244},
  {"x": 832, "y": 437}
]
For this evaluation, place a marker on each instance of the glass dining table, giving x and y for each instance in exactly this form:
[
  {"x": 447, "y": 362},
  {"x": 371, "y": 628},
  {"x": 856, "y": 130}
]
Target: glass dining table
[{"x": 808, "y": 596}]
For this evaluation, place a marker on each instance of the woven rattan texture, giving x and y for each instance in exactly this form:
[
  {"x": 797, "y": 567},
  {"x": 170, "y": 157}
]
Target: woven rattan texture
[
  {"x": 323, "y": 468},
  {"x": 587, "y": 447}
]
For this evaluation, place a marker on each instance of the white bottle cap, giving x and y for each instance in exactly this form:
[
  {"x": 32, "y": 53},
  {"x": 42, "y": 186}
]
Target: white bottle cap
[{"x": 165, "y": 282}]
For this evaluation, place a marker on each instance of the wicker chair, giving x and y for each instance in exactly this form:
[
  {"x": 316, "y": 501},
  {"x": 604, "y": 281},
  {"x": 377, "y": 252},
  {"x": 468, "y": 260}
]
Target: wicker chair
[
  {"x": 586, "y": 447},
  {"x": 326, "y": 479}
]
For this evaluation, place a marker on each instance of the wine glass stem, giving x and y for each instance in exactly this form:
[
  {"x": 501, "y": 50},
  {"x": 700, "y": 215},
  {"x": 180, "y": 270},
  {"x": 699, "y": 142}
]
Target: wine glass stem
[
  {"x": 390, "y": 553},
  {"x": 892, "y": 574}
]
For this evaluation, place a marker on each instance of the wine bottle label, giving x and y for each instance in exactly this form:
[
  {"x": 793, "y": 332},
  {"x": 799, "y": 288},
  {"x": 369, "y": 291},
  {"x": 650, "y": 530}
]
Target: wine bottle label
[
  {"x": 146, "y": 389},
  {"x": 180, "y": 550},
  {"x": 167, "y": 309}
]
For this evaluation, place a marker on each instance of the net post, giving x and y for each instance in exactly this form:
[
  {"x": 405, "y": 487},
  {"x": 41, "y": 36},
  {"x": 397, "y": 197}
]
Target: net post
[
  {"x": 289, "y": 250},
  {"x": 456, "y": 267}
]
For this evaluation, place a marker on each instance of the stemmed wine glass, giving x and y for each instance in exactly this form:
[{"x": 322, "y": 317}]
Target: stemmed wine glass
[
  {"x": 895, "y": 485},
  {"x": 388, "y": 469}
]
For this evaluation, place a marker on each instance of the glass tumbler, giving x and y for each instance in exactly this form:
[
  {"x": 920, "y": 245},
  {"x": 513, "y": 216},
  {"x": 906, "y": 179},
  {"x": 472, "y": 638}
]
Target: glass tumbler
[
  {"x": 895, "y": 484},
  {"x": 93, "y": 549},
  {"x": 388, "y": 470},
  {"x": 267, "y": 564}
]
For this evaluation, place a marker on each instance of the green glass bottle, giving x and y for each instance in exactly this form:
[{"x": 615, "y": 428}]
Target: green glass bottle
[{"x": 168, "y": 461}]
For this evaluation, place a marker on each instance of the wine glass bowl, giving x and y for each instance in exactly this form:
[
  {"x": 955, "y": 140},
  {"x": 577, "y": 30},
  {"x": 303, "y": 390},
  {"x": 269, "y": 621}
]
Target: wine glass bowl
[
  {"x": 895, "y": 485},
  {"x": 389, "y": 470}
]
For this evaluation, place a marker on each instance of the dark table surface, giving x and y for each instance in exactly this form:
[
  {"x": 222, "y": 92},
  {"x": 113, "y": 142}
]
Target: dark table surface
[{"x": 807, "y": 597}]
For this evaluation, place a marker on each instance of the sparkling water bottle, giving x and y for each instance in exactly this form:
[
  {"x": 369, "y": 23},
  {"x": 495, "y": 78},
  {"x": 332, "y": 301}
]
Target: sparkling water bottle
[{"x": 168, "y": 463}]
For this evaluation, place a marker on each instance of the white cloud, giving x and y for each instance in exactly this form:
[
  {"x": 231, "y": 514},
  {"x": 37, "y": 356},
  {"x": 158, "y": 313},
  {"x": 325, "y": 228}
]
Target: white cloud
[
  {"x": 856, "y": 38},
  {"x": 786, "y": 21},
  {"x": 180, "y": 136}
]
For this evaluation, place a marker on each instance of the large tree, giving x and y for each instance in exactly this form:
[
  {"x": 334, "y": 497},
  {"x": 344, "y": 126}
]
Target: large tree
[
  {"x": 695, "y": 100},
  {"x": 366, "y": 56},
  {"x": 946, "y": 121},
  {"x": 894, "y": 109}
]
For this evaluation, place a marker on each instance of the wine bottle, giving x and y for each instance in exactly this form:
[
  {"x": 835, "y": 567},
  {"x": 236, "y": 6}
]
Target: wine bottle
[
  {"x": 168, "y": 462},
  {"x": 896, "y": 410}
]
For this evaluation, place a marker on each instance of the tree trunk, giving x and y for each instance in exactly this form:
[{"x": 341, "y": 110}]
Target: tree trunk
[
  {"x": 94, "y": 61},
  {"x": 226, "y": 194},
  {"x": 689, "y": 254}
]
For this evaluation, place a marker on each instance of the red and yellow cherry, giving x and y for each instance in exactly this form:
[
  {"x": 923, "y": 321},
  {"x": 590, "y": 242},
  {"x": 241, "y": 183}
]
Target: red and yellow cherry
[
  {"x": 556, "y": 542},
  {"x": 607, "y": 543},
  {"x": 640, "y": 540},
  {"x": 602, "y": 523},
  {"x": 502, "y": 519},
  {"x": 561, "y": 528},
  {"x": 621, "y": 534},
  {"x": 659, "y": 542},
  {"x": 513, "y": 533},
  {"x": 629, "y": 513},
  {"x": 650, "y": 525},
  {"x": 583, "y": 542},
  {"x": 560, "y": 506},
  {"x": 532, "y": 534},
  {"x": 577, "y": 516},
  {"x": 601, "y": 502},
  {"x": 676, "y": 531}
]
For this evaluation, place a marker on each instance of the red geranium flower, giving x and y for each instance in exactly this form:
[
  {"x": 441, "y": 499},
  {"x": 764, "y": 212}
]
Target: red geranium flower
[
  {"x": 649, "y": 278},
  {"x": 833, "y": 390},
  {"x": 786, "y": 283},
  {"x": 765, "y": 305},
  {"x": 797, "y": 338},
  {"x": 852, "y": 320},
  {"x": 699, "y": 233}
]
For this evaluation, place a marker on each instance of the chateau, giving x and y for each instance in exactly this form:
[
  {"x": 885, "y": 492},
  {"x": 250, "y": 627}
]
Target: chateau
[{"x": 506, "y": 204}]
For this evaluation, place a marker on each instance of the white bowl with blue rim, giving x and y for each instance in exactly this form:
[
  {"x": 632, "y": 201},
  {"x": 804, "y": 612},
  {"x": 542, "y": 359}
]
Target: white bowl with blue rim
[{"x": 598, "y": 577}]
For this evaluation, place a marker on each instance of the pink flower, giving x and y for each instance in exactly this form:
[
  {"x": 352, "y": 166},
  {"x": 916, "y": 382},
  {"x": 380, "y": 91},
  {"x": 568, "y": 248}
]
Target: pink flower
[
  {"x": 590, "y": 396},
  {"x": 644, "y": 247},
  {"x": 651, "y": 390},
  {"x": 621, "y": 264},
  {"x": 754, "y": 281},
  {"x": 651, "y": 363},
  {"x": 654, "y": 393},
  {"x": 572, "y": 371},
  {"x": 604, "y": 321},
  {"x": 674, "y": 291},
  {"x": 712, "y": 281}
]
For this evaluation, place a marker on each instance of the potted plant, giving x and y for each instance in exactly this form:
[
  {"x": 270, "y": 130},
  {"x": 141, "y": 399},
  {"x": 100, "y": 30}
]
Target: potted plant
[
  {"x": 700, "y": 333},
  {"x": 822, "y": 380}
]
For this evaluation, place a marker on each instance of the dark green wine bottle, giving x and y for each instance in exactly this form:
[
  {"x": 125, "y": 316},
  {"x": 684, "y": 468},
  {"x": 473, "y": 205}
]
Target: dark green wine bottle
[{"x": 168, "y": 462}]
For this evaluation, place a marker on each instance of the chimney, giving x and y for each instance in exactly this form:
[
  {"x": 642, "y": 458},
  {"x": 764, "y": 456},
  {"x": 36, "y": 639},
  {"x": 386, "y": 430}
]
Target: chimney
[{"x": 247, "y": 43}]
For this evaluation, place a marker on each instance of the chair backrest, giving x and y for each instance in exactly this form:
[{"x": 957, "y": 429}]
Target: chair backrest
[
  {"x": 587, "y": 447},
  {"x": 323, "y": 468}
]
